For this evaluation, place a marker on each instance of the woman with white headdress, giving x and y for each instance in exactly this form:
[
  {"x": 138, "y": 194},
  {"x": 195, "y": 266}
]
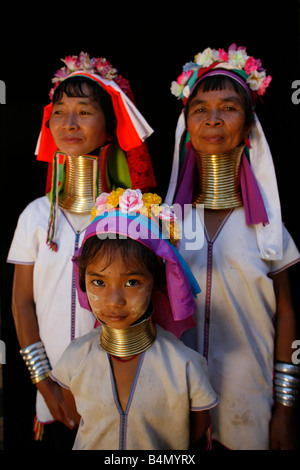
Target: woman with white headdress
[{"x": 245, "y": 322}]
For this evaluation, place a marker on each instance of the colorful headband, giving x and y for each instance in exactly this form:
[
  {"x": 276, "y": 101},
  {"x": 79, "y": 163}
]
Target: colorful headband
[
  {"x": 147, "y": 204},
  {"x": 252, "y": 76},
  {"x": 134, "y": 218},
  {"x": 132, "y": 129}
]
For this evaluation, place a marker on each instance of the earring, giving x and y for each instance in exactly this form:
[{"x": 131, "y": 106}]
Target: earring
[{"x": 247, "y": 142}]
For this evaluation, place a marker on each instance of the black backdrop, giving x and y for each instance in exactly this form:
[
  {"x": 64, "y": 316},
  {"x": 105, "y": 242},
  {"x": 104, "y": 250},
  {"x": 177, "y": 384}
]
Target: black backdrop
[{"x": 148, "y": 45}]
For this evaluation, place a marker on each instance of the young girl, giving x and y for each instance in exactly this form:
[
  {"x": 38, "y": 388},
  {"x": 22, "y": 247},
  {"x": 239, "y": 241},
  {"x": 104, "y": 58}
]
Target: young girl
[{"x": 136, "y": 386}]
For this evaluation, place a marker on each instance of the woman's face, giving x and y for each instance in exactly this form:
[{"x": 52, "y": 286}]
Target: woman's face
[
  {"x": 118, "y": 294},
  {"x": 78, "y": 125},
  {"x": 216, "y": 121}
]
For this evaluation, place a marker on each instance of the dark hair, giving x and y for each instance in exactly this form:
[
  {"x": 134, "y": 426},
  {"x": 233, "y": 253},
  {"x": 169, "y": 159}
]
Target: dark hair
[
  {"x": 74, "y": 87},
  {"x": 130, "y": 250},
  {"x": 220, "y": 82}
]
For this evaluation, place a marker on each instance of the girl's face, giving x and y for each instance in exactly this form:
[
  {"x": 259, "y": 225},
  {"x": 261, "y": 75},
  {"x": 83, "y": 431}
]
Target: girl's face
[
  {"x": 78, "y": 125},
  {"x": 216, "y": 121},
  {"x": 118, "y": 295}
]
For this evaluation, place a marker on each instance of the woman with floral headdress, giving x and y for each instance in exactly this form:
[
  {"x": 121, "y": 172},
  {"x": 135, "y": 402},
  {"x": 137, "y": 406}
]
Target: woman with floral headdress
[
  {"x": 245, "y": 321},
  {"x": 92, "y": 137}
]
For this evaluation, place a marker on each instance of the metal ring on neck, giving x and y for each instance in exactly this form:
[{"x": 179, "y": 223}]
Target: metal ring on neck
[
  {"x": 219, "y": 180},
  {"x": 129, "y": 341},
  {"x": 85, "y": 179}
]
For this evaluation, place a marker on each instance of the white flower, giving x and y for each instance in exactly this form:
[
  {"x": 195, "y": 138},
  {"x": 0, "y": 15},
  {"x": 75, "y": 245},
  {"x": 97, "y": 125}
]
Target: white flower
[
  {"x": 176, "y": 89},
  {"x": 238, "y": 58},
  {"x": 255, "y": 79},
  {"x": 205, "y": 58}
]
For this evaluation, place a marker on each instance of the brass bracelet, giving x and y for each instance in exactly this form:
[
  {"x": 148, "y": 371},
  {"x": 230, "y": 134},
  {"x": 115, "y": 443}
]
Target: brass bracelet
[{"x": 41, "y": 377}]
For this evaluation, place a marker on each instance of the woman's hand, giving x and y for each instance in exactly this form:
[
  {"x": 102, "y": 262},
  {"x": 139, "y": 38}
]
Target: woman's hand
[
  {"x": 54, "y": 399},
  {"x": 283, "y": 434}
]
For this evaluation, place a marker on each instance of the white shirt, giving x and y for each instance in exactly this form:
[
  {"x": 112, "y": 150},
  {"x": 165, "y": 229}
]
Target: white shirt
[
  {"x": 235, "y": 330},
  {"x": 170, "y": 381},
  {"x": 60, "y": 317}
]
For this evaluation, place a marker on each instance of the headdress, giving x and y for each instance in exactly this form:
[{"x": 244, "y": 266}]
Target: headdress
[
  {"x": 258, "y": 179},
  {"x": 131, "y": 130},
  {"x": 141, "y": 217},
  {"x": 235, "y": 63}
]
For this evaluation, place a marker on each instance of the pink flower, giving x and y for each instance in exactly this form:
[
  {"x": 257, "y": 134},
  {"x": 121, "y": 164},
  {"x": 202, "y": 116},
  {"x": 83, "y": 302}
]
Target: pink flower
[
  {"x": 167, "y": 213},
  {"x": 258, "y": 64},
  {"x": 83, "y": 61},
  {"x": 184, "y": 77},
  {"x": 250, "y": 65},
  {"x": 101, "y": 202},
  {"x": 60, "y": 75},
  {"x": 70, "y": 61},
  {"x": 264, "y": 85},
  {"x": 223, "y": 55},
  {"x": 131, "y": 200},
  {"x": 232, "y": 47}
]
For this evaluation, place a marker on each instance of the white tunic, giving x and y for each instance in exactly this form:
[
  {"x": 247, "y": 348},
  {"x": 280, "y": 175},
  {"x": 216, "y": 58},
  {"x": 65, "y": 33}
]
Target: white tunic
[
  {"x": 170, "y": 381},
  {"x": 60, "y": 317},
  {"x": 235, "y": 330}
]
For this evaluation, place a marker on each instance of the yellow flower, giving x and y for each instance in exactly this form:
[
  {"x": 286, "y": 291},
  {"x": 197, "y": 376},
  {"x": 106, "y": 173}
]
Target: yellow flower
[
  {"x": 93, "y": 213},
  {"x": 113, "y": 198},
  {"x": 174, "y": 232},
  {"x": 151, "y": 198}
]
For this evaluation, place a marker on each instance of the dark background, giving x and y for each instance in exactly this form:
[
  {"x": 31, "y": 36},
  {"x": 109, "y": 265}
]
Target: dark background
[{"x": 148, "y": 44}]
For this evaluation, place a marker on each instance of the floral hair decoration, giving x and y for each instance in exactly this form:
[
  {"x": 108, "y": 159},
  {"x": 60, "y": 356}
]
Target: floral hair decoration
[
  {"x": 138, "y": 216},
  {"x": 132, "y": 128},
  {"x": 132, "y": 201},
  {"x": 99, "y": 66},
  {"x": 247, "y": 70}
]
